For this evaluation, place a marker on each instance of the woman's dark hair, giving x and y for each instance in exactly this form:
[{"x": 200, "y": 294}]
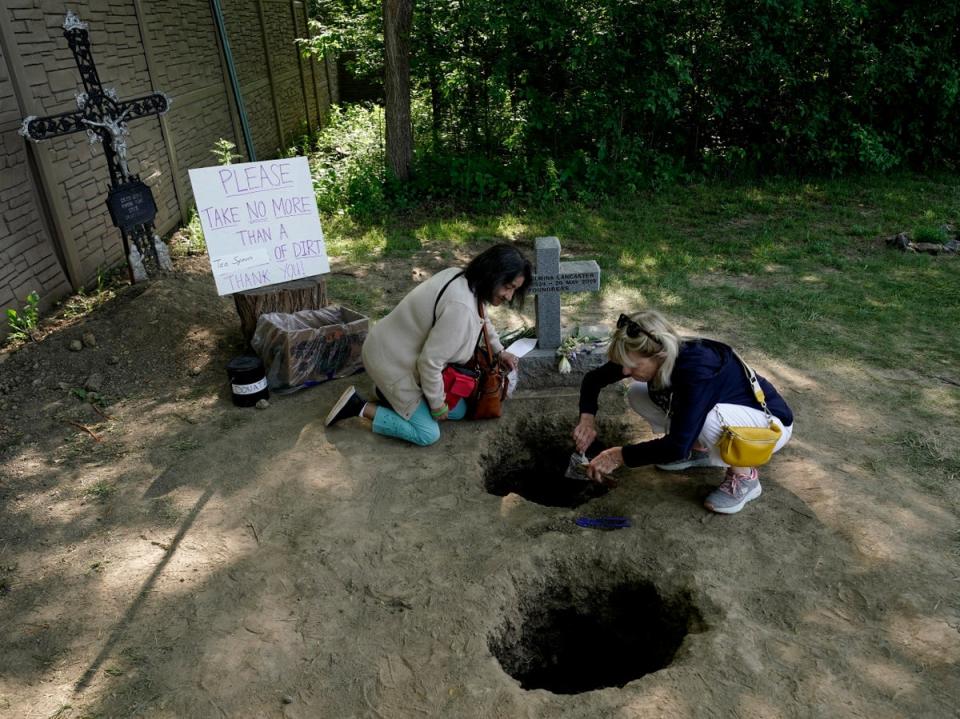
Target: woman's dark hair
[{"x": 495, "y": 267}]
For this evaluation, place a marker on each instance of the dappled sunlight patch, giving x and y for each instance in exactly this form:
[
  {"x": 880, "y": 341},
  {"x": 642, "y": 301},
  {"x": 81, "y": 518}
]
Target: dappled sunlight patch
[
  {"x": 357, "y": 246},
  {"x": 659, "y": 700},
  {"x": 752, "y": 704},
  {"x": 634, "y": 261},
  {"x": 839, "y": 620},
  {"x": 872, "y": 537},
  {"x": 511, "y": 226},
  {"x": 925, "y": 639},
  {"x": 722, "y": 279},
  {"x": 888, "y": 679},
  {"x": 813, "y": 192},
  {"x": 454, "y": 231},
  {"x": 617, "y": 297},
  {"x": 787, "y": 377}
]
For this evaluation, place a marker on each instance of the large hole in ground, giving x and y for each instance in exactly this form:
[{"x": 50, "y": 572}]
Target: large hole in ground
[
  {"x": 575, "y": 639},
  {"x": 530, "y": 457}
]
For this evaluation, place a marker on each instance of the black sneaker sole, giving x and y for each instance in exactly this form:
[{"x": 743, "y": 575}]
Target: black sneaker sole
[{"x": 347, "y": 395}]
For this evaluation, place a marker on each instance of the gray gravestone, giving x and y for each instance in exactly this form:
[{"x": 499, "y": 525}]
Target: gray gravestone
[{"x": 551, "y": 277}]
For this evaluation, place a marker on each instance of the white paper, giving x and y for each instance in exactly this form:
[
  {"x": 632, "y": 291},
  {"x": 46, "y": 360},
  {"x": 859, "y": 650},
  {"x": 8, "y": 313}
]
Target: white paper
[
  {"x": 520, "y": 347},
  {"x": 260, "y": 222}
]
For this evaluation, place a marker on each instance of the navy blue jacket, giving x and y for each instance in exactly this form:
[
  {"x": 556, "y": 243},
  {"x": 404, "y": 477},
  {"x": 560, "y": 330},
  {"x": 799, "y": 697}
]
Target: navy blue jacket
[{"x": 706, "y": 373}]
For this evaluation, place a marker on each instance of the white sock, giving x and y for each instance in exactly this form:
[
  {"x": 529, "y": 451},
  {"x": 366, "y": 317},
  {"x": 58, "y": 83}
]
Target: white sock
[{"x": 362, "y": 408}]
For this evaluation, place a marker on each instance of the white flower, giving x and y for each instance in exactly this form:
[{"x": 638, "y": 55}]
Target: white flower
[{"x": 565, "y": 367}]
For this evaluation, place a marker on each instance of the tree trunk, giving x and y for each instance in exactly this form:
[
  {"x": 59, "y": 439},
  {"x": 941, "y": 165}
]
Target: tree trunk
[
  {"x": 433, "y": 75},
  {"x": 397, "y": 19},
  {"x": 307, "y": 293}
]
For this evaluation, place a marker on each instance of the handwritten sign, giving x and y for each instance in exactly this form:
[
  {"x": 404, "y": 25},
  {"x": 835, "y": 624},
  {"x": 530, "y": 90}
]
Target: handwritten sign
[{"x": 260, "y": 222}]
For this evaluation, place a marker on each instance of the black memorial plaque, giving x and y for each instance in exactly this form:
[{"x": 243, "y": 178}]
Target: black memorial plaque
[{"x": 131, "y": 204}]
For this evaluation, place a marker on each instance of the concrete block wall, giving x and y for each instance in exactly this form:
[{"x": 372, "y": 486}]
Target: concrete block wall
[
  {"x": 55, "y": 231},
  {"x": 185, "y": 62},
  {"x": 79, "y": 172},
  {"x": 28, "y": 256}
]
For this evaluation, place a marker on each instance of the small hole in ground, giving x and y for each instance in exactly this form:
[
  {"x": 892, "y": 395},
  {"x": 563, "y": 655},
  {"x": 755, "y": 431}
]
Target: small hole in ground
[
  {"x": 573, "y": 640},
  {"x": 530, "y": 458}
]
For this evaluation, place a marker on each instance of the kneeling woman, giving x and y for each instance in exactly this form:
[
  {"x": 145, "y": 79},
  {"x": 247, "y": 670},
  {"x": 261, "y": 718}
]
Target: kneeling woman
[
  {"x": 687, "y": 389},
  {"x": 438, "y": 323}
]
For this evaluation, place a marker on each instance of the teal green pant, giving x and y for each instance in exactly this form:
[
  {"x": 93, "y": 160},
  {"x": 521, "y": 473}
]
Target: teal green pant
[{"x": 420, "y": 429}]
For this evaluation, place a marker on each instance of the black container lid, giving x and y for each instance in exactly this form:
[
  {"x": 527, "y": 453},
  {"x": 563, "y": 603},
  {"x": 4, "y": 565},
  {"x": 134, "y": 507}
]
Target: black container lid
[{"x": 244, "y": 363}]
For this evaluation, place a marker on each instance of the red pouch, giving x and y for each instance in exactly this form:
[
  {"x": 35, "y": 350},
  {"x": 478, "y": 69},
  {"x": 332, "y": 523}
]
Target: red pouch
[{"x": 458, "y": 383}]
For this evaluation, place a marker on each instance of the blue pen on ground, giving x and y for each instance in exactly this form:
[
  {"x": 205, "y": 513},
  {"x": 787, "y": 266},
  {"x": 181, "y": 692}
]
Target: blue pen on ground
[{"x": 603, "y": 522}]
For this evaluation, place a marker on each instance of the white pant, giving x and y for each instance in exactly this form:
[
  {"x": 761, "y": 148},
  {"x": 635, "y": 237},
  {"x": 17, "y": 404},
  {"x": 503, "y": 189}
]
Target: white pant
[{"x": 736, "y": 415}]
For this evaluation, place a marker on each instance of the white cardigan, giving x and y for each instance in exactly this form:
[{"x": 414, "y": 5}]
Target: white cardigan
[{"x": 405, "y": 355}]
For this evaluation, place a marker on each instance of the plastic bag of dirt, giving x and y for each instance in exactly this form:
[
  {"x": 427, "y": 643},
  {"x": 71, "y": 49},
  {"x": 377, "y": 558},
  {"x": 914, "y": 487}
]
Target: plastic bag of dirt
[{"x": 310, "y": 346}]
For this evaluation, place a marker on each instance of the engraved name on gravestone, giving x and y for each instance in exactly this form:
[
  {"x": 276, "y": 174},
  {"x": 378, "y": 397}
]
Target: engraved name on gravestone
[{"x": 550, "y": 279}]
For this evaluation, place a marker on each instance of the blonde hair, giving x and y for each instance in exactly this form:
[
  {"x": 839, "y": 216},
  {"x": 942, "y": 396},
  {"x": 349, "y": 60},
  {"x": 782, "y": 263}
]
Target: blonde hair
[{"x": 664, "y": 344}]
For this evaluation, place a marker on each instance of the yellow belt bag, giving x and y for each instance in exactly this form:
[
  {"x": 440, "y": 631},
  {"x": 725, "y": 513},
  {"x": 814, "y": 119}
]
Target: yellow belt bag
[{"x": 749, "y": 446}]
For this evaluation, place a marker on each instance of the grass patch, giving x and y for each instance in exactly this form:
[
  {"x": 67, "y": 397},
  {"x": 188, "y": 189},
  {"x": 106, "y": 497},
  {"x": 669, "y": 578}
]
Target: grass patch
[
  {"x": 927, "y": 452},
  {"x": 186, "y": 444},
  {"x": 164, "y": 510},
  {"x": 86, "y": 300},
  {"x": 795, "y": 268},
  {"x": 101, "y": 491},
  {"x": 189, "y": 240}
]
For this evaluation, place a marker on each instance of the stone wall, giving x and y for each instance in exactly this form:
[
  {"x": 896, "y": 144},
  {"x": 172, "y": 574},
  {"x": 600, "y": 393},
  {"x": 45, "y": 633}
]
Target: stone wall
[
  {"x": 28, "y": 257},
  {"x": 55, "y": 231}
]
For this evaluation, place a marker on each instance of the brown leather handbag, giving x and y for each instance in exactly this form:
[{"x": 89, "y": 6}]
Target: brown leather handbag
[{"x": 487, "y": 402}]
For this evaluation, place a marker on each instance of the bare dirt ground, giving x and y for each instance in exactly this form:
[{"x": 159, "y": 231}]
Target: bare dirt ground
[{"x": 187, "y": 558}]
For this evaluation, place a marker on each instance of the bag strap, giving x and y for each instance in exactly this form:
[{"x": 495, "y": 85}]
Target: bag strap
[
  {"x": 440, "y": 294},
  {"x": 486, "y": 335},
  {"x": 754, "y": 383}
]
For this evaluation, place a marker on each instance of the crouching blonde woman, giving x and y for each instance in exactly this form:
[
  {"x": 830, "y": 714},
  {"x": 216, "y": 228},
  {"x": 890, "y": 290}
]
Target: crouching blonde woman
[
  {"x": 687, "y": 389},
  {"x": 437, "y": 324}
]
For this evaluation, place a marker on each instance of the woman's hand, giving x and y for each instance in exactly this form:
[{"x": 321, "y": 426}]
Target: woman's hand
[
  {"x": 441, "y": 416},
  {"x": 510, "y": 360},
  {"x": 605, "y": 463},
  {"x": 584, "y": 433}
]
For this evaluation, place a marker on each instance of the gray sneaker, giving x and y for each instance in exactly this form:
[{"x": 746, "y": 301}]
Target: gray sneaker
[
  {"x": 734, "y": 492},
  {"x": 696, "y": 458}
]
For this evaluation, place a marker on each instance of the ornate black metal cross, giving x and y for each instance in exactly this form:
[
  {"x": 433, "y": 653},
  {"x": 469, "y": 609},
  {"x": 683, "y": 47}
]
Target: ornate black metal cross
[{"x": 104, "y": 116}]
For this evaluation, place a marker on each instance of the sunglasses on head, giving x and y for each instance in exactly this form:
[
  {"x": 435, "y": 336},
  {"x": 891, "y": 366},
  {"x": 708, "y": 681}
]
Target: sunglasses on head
[{"x": 634, "y": 330}]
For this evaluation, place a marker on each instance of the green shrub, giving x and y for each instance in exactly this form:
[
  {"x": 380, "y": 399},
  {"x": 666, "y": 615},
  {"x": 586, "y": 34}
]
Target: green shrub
[
  {"x": 190, "y": 239},
  {"x": 929, "y": 233},
  {"x": 580, "y": 99},
  {"x": 223, "y": 150},
  {"x": 23, "y": 324},
  {"x": 348, "y": 167}
]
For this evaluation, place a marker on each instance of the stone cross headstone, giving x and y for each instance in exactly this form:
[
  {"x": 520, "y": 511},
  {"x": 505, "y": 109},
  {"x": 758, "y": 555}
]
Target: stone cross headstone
[
  {"x": 550, "y": 279},
  {"x": 104, "y": 116}
]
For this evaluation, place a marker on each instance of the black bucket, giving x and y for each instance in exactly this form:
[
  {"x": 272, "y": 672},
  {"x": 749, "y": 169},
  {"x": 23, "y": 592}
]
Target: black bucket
[{"x": 248, "y": 383}]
